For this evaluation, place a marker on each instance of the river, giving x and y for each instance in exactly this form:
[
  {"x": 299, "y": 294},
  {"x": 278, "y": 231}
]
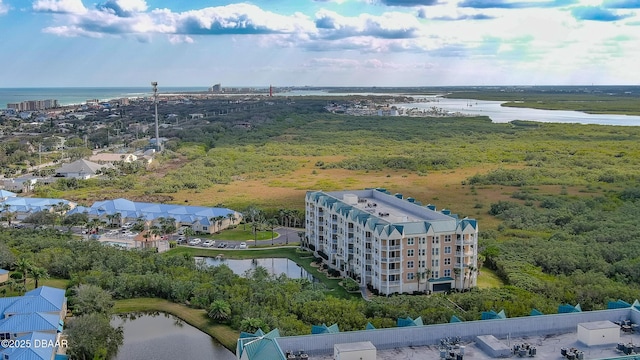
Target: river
[{"x": 503, "y": 114}]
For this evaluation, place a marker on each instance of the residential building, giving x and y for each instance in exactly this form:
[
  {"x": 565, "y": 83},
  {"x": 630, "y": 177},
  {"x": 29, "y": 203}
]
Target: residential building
[
  {"x": 609, "y": 335},
  {"x": 198, "y": 218},
  {"x": 81, "y": 169},
  {"x": 36, "y": 318},
  {"x": 22, "y": 207},
  {"x": 24, "y": 184},
  {"x": 110, "y": 158},
  {"x": 391, "y": 244}
]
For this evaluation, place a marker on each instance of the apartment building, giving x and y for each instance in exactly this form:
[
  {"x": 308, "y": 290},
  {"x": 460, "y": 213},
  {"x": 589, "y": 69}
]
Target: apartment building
[{"x": 390, "y": 243}]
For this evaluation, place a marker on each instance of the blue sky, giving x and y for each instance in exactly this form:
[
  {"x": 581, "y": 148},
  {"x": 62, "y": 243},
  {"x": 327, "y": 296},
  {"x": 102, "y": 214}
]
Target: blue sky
[{"x": 319, "y": 42}]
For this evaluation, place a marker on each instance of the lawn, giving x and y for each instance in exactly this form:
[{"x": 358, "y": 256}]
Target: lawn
[
  {"x": 240, "y": 234},
  {"x": 487, "y": 278}
]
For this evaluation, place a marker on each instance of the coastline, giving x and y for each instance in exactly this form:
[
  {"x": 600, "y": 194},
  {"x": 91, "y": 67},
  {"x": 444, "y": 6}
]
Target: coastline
[{"x": 75, "y": 96}]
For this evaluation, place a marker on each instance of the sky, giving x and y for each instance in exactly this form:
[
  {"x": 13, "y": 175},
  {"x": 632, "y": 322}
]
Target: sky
[{"x": 62, "y": 43}]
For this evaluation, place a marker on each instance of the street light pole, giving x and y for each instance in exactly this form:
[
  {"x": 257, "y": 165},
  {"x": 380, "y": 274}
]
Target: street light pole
[{"x": 155, "y": 103}]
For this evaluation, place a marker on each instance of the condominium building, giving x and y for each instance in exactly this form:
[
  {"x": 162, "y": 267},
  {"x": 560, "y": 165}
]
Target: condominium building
[
  {"x": 390, "y": 243},
  {"x": 33, "y": 105}
]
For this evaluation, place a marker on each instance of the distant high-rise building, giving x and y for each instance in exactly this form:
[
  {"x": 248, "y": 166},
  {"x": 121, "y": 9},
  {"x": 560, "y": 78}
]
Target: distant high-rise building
[
  {"x": 216, "y": 88},
  {"x": 33, "y": 105}
]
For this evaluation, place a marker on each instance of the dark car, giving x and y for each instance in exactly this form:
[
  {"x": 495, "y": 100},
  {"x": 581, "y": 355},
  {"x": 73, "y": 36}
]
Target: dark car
[{"x": 222, "y": 245}]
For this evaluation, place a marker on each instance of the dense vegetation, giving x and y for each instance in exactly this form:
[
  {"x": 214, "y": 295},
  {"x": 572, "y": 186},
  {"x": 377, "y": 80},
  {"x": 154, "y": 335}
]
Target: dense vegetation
[{"x": 557, "y": 205}]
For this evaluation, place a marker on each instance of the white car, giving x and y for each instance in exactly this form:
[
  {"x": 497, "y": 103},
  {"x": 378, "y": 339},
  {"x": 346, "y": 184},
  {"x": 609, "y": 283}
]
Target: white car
[
  {"x": 243, "y": 245},
  {"x": 195, "y": 241},
  {"x": 209, "y": 243}
]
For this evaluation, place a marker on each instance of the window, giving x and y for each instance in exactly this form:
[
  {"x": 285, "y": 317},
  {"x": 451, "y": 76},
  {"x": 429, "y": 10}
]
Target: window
[
  {"x": 392, "y": 277},
  {"x": 410, "y": 241},
  {"x": 435, "y": 263},
  {"x": 204, "y": 228},
  {"x": 410, "y": 253},
  {"x": 423, "y": 263},
  {"x": 423, "y": 240},
  {"x": 435, "y": 251},
  {"x": 423, "y": 252},
  {"x": 447, "y": 249},
  {"x": 410, "y": 276},
  {"x": 447, "y": 273},
  {"x": 447, "y": 261},
  {"x": 436, "y": 240},
  {"x": 435, "y": 274},
  {"x": 409, "y": 264},
  {"x": 447, "y": 238}
]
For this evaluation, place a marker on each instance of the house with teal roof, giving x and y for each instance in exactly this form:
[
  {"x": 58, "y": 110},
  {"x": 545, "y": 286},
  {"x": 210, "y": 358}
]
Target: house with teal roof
[
  {"x": 259, "y": 346},
  {"x": 391, "y": 244}
]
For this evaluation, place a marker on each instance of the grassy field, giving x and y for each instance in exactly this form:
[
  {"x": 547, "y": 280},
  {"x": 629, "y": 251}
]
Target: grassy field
[
  {"x": 194, "y": 317},
  {"x": 487, "y": 279},
  {"x": 238, "y": 234}
]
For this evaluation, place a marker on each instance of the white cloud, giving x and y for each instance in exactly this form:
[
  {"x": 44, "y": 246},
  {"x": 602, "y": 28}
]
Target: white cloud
[
  {"x": 390, "y": 25},
  {"x": 179, "y": 39},
  {"x": 3, "y": 8},
  {"x": 132, "y": 5},
  {"x": 60, "y": 6},
  {"x": 70, "y": 31}
]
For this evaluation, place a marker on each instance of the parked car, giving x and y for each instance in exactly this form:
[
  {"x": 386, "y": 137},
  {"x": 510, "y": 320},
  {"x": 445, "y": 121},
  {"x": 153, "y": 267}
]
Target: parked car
[
  {"x": 243, "y": 245},
  {"x": 195, "y": 241},
  {"x": 181, "y": 240},
  {"x": 208, "y": 243},
  {"x": 222, "y": 245}
]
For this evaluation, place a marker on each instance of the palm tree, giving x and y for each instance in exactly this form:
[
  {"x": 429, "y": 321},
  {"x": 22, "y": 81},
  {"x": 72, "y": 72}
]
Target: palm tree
[
  {"x": 456, "y": 274},
  {"x": 422, "y": 275},
  {"x": 117, "y": 219},
  {"x": 254, "y": 228},
  {"x": 93, "y": 224},
  {"x": 472, "y": 270},
  {"x": 272, "y": 224},
  {"x": 23, "y": 265},
  {"x": 188, "y": 231},
  {"x": 232, "y": 218},
  {"x": 110, "y": 217},
  {"x": 38, "y": 273},
  {"x": 167, "y": 225},
  {"x": 219, "y": 310},
  {"x": 8, "y": 215}
]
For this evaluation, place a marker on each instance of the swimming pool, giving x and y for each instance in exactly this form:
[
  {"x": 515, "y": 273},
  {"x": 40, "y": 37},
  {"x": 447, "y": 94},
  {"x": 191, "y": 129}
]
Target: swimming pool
[{"x": 117, "y": 244}]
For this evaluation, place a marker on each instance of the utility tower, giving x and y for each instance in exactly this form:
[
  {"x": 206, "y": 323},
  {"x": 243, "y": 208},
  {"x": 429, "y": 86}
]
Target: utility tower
[{"x": 155, "y": 103}]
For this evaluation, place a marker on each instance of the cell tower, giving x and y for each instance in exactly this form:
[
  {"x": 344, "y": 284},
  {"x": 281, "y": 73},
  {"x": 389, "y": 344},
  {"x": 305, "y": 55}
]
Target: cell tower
[{"x": 155, "y": 103}]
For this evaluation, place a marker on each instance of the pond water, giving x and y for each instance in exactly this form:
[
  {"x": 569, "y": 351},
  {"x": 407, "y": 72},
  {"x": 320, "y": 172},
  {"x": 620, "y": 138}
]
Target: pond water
[
  {"x": 502, "y": 114},
  {"x": 274, "y": 266},
  {"x": 166, "y": 337}
]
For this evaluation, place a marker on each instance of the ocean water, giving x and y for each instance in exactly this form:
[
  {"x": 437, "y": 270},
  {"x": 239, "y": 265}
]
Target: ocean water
[{"x": 79, "y": 95}]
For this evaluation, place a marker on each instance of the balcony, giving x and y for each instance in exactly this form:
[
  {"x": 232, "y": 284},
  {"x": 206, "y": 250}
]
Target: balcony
[
  {"x": 390, "y": 260},
  {"x": 390, "y": 271},
  {"x": 464, "y": 242},
  {"x": 394, "y": 247},
  {"x": 465, "y": 254}
]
